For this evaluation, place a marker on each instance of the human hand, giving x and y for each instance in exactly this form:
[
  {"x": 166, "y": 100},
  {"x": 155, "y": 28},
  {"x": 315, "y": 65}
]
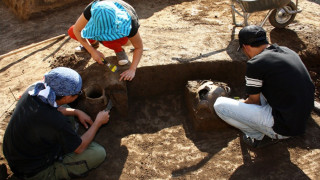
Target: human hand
[
  {"x": 97, "y": 56},
  {"x": 127, "y": 75},
  {"x": 102, "y": 117},
  {"x": 84, "y": 118}
]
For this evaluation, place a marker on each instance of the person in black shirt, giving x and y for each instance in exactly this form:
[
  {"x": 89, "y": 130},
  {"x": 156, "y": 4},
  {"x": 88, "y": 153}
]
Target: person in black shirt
[
  {"x": 280, "y": 92},
  {"x": 40, "y": 141},
  {"x": 112, "y": 23}
]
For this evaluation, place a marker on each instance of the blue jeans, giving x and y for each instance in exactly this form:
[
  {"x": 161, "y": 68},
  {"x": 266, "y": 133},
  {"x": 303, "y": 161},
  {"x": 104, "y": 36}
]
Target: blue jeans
[{"x": 255, "y": 121}]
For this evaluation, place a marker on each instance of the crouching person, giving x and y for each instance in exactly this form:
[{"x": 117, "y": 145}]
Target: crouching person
[
  {"x": 41, "y": 142},
  {"x": 280, "y": 92}
]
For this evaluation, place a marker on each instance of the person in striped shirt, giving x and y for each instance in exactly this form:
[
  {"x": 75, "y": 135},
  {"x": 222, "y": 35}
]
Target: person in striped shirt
[
  {"x": 279, "y": 88},
  {"x": 113, "y": 23}
]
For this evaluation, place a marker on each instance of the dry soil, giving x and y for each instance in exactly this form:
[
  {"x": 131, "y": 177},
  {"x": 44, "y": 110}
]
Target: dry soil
[{"x": 156, "y": 140}]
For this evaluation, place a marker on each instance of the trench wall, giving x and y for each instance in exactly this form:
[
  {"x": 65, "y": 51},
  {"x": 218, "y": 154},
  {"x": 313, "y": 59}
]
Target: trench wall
[{"x": 171, "y": 79}]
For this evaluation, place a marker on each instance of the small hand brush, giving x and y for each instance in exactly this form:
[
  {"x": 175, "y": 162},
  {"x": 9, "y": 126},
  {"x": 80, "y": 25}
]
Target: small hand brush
[{"x": 112, "y": 67}]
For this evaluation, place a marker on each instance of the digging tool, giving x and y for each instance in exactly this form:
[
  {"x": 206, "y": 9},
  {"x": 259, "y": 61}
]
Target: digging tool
[
  {"x": 109, "y": 106},
  {"x": 112, "y": 67}
]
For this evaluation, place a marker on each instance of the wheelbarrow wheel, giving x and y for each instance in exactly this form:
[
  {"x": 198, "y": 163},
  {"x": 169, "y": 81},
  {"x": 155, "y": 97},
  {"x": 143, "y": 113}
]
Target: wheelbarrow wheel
[{"x": 279, "y": 18}]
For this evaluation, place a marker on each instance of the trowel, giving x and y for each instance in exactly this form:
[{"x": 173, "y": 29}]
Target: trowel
[
  {"x": 112, "y": 67},
  {"x": 109, "y": 105}
]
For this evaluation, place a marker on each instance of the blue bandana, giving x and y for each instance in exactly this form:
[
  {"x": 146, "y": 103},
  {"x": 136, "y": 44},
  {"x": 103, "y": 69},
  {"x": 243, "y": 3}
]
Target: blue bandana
[
  {"x": 60, "y": 81},
  {"x": 109, "y": 21}
]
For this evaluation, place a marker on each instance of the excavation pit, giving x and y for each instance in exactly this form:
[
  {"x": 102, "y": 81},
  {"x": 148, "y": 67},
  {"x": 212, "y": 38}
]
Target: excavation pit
[
  {"x": 94, "y": 92},
  {"x": 154, "y": 141},
  {"x": 100, "y": 84},
  {"x": 159, "y": 127}
]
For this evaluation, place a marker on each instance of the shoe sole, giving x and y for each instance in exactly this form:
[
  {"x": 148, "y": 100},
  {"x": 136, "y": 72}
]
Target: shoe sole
[
  {"x": 83, "y": 50},
  {"x": 123, "y": 62}
]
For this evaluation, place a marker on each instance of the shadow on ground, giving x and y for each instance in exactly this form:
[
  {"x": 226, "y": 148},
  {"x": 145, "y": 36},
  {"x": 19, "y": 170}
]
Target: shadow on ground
[{"x": 274, "y": 162}]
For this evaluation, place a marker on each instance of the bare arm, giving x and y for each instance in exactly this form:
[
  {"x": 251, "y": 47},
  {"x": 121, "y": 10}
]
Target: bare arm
[
  {"x": 137, "y": 54},
  {"x": 67, "y": 111},
  {"x": 78, "y": 26},
  {"x": 138, "y": 49},
  {"x": 253, "y": 99},
  {"x": 87, "y": 137},
  {"x": 82, "y": 116}
]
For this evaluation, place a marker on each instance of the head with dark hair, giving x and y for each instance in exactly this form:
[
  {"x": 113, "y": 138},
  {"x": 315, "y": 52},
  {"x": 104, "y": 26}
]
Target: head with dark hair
[
  {"x": 252, "y": 35},
  {"x": 58, "y": 83}
]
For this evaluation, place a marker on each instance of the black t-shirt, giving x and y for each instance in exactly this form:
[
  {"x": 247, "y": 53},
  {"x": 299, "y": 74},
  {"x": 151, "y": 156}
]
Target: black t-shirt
[
  {"x": 36, "y": 136},
  {"x": 134, "y": 17},
  {"x": 280, "y": 75}
]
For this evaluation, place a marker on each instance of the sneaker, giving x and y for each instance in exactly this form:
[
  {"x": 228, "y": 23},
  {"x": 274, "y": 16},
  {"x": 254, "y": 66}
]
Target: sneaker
[
  {"x": 81, "y": 49},
  {"x": 265, "y": 141},
  {"x": 122, "y": 58}
]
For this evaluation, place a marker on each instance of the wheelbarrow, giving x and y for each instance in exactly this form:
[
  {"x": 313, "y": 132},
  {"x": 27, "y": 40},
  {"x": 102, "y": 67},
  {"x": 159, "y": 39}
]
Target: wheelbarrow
[{"x": 281, "y": 12}]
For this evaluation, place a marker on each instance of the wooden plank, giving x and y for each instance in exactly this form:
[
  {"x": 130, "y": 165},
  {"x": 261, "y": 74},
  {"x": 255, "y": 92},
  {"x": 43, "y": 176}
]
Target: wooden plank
[{"x": 31, "y": 45}]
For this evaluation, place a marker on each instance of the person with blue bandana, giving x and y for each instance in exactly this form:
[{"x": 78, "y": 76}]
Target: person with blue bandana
[
  {"x": 112, "y": 23},
  {"x": 41, "y": 141}
]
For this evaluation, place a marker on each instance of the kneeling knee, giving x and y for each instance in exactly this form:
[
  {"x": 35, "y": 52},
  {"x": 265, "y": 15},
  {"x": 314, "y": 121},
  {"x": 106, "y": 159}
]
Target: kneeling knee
[
  {"x": 100, "y": 153},
  {"x": 218, "y": 104},
  {"x": 96, "y": 155}
]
